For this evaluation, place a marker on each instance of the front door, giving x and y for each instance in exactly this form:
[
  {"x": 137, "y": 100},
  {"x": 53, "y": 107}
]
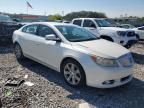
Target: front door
[
  {"x": 47, "y": 50},
  {"x": 90, "y": 25}
]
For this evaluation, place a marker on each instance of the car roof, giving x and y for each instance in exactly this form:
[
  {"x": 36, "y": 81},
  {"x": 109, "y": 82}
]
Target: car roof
[
  {"x": 52, "y": 23},
  {"x": 88, "y": 18},
  {"x": 3, "y": 15}
]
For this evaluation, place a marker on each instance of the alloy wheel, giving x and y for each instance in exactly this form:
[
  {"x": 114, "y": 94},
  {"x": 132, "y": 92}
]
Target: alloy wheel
[{"x": 72, "y": 74}]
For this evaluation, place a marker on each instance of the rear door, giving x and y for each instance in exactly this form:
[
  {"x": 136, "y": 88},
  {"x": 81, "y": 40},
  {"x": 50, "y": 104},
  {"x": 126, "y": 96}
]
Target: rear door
[
  {"x": 91, "y": 26},
  {"x": 28, "y": 39}
]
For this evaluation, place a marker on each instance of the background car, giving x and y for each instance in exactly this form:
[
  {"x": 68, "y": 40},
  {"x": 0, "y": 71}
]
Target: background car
[
  {"x": 81, "y": 57},
  {"x": 7, "y": 27},
  {"x": 103, "y": 29},
  {"x": 127, "y": 26},
  {"x": 140, "y": 32}
]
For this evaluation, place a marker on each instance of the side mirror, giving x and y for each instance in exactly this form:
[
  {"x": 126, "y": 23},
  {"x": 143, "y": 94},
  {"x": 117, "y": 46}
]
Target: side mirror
[{"x": 52, "y": 37}]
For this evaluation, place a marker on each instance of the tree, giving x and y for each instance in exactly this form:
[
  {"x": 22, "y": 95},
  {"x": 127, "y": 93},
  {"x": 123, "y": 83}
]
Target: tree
[
  {"x": 55, "y": 17},
  {"x": 142, "y": 19},
  {"x": 84, "y": 14}
]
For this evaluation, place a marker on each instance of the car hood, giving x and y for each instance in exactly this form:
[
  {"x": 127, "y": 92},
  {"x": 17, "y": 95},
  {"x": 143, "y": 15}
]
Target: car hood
[
  {"x": 102, "y": 48},
  {"x": 113, "y": 28}
]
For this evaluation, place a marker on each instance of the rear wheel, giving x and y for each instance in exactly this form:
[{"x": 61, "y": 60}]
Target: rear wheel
[
  {"x": 73, "y": 73},
  {"x": 18, "y": 52}
]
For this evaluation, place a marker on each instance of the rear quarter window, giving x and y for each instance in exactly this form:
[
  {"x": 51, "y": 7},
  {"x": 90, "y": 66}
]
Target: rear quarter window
[{"x": 31, "y": 29}]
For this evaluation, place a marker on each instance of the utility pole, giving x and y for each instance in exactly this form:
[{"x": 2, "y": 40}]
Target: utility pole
[{"x": 27, "y": 9}]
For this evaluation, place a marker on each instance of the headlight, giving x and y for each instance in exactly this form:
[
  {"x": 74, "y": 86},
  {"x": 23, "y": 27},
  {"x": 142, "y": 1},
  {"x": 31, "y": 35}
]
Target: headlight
[
  {"x": 104, "y": 62},
  {"x": 121, "y": 33},
  {"x": 126, "y": 60}
]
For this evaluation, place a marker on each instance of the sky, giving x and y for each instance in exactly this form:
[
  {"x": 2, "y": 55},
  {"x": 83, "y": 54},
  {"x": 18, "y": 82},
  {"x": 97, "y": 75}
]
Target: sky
[{"x": 112, "y": 8}]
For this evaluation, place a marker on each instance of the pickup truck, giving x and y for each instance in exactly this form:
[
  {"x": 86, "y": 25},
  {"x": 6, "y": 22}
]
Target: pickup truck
[
  {"x": 103, "y": 29},
  {"x": 7, "y": 27}
]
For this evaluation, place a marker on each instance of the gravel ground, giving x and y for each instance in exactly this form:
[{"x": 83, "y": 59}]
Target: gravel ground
[{"x": 50, "y": 91}]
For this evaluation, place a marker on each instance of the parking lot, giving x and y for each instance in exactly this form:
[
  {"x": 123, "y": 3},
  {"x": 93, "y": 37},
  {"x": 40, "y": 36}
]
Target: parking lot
[{"x": 50, "y": 91}]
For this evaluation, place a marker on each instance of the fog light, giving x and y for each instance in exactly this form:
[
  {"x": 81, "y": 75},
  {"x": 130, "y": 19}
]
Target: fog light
[{"x": 108, "y": 82}]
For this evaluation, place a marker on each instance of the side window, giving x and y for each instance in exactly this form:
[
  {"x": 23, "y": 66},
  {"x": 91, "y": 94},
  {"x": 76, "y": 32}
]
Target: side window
[
  {"x": 24, "y": 29},
  {"x": 45, "y": 30},
  {"x": 32, "y": 29},
  {"x": 77, "y": 22},
  {"x": 89, "y": 23},
  {"x": 126, "y": 26}
]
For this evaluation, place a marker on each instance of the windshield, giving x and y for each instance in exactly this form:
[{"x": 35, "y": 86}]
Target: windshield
[
  {"x": 103, "y": 23},
  {"x": 4, "y": 18},
  {"x": 76, "y": 34}
]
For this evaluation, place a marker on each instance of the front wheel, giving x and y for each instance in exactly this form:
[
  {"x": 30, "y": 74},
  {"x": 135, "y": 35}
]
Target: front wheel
[
  {"x": 137, "y": 36},
  {"x": 107, "y": 38},
  {"x": 73, "y": 73}
]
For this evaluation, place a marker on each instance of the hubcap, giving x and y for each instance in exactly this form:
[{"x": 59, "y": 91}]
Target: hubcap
[
  {"x": 18, "y": 51},
  {"x": 72, "y": 74}
]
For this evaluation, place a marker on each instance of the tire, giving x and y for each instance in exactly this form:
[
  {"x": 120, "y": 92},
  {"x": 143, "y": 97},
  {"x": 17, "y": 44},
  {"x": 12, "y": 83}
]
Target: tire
[
  {"x": 107, "y": 38},
  {"x": 137, "y": 36},
  {"x": 73, "y": 73},
  {"x": 18, "y": 52},
  {"x": 127, "y": 46}
]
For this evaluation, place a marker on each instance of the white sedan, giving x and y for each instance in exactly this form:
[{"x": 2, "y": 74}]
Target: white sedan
[
  {"x": 140, "y": 32},
  {"x": 81, "y": 57}
]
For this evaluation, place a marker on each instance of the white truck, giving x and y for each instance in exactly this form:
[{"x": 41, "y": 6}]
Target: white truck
[{"x": 103, "y": 29}]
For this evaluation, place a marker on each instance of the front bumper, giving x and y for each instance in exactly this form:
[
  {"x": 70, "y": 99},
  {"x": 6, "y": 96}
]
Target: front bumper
[
  {"x": 125, "y": 40},
  {"x": 130, "y": 43},
  {"x": 107, "y": 77}
]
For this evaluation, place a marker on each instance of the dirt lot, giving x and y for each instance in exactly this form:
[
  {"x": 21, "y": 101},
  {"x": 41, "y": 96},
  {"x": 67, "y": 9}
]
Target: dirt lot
[{"x": 50, "y": 91}]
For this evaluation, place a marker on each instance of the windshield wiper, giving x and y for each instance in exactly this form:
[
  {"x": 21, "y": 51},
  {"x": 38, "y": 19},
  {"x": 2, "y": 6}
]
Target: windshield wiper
[{"x": 85, "y": 40}]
